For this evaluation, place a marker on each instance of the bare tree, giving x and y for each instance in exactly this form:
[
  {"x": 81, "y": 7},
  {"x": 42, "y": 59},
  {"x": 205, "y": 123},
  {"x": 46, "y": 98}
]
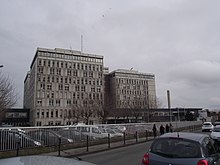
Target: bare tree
[
  {"x": 152, "y": 102},
  {"x": 76, "y": 112},
  {"x": 7, "y": 94},
  {"x": 102, "y": 112},
  {"x": 88, "y": 111},
  {"x": 137, "y": 106}
]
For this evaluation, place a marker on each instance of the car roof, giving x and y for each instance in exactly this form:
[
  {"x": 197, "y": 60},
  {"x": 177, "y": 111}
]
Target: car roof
[
  {"x": 207, "y": 122},
  {"x": 185, "y": 135}
]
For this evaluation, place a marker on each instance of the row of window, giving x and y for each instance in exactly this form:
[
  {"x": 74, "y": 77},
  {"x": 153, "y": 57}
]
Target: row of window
[
  {"x": 57, "y": 123},
  {"x": 132, "y": 92},
  {"x": 69, "y": 95},
  {"x": 131, "y": 81},
  {"x": 50, "y": 123},
  {"x": 69, "y": 102},
  {"x": 69, "y": 65},
  {"x": 68, "y": 72},
  {"x": 133, "y": 87},
  {"x": 123, "y": 104},
  {"x": 69, "y": 80},
  {"x": 71, "y": 56},
  {"x": 61, "y": 87},
  {"x": 64, "y": 114}
]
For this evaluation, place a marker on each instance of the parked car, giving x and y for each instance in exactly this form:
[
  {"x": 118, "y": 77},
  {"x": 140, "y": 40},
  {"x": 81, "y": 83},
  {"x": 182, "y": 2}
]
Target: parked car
[
  {"x": 215, "y": 135},
  {"x": 42, "y": 160},
  {"x": 207, "y": 126},
  {"x": 11, "y": 138},
  {"x": 112, "y": 133},
  {"x": 93, "y": 132},
  {"x": 48, "y": 137},
  {"x": 182, "y": 149},
  {"x": 216, "y": 123}
]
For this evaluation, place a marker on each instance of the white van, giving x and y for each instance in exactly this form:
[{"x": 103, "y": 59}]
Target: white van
[{"x": 92, "y": 131}]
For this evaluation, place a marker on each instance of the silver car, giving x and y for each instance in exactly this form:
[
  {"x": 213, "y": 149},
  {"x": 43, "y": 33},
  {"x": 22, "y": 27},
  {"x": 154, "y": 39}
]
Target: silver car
[{"x": 182, "y": 149}]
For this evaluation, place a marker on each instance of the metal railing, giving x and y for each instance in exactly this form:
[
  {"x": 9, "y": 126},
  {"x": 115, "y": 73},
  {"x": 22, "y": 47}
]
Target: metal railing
[{"x": 20, "y": 138}]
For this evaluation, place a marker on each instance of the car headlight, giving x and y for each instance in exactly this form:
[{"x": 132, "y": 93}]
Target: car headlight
[{"x": 37, "y": 143}]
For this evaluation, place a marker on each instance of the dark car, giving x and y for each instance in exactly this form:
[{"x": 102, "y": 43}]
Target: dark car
[{"x": 182, "y": 149}]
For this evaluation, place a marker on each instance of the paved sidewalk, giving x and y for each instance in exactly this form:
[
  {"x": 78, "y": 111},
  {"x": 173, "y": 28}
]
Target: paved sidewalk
[{"x": 97, "y": 148}]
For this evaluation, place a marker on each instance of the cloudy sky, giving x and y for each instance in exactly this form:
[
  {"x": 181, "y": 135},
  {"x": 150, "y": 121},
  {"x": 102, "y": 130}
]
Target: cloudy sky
[{"x": 177, "y": 40}]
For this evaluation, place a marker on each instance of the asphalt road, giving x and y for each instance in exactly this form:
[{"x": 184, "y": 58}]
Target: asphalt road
[{"x": 131, "y": 155}]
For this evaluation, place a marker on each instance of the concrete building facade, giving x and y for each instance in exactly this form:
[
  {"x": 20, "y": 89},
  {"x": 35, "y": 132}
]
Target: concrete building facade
[
  {"x": 129, "y": 89},
  {"x": 63, "y": 87}
]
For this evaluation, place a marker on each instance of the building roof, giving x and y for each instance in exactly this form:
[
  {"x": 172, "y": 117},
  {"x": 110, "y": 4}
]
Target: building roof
[
  {"x": 121, "y": 72},
  {"x": 65, "y": 52}
]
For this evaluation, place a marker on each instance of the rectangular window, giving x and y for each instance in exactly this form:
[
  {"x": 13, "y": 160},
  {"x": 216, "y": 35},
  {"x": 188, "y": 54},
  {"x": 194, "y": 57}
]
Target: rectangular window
[
  {"x": 92, "y": 89},
  {"x": 51, "y": 114},
  {"x": 49, "y": 87},
  {"x": 56, "y": 114},
  {"x": 58, "y": 102},
  {"x": 42, "y": 114},
  {"x": 66, "y": 87},
  {"x": 38, "y": 123},
  {"x": 47, "y": 114},
  {"x": 38, "y": 114}
]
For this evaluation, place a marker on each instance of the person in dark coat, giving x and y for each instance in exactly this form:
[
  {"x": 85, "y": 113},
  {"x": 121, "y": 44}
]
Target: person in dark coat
[
  {"x": 167, "y": 128},
  {"x": 171, "y": 128},
  {"x": 155, "y": 131},
  {"x": 161, "y": 129}
]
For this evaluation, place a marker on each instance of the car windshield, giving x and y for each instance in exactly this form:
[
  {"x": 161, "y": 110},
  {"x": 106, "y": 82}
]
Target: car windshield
[
  {"x": 207, "y": 124},
  {"x": 176, "y": 148},
  {"x": 216, "y": 129}
]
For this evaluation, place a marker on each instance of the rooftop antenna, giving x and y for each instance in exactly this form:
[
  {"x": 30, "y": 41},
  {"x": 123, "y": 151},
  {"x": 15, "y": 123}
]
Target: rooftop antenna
[{"x": 81, "y": 44}]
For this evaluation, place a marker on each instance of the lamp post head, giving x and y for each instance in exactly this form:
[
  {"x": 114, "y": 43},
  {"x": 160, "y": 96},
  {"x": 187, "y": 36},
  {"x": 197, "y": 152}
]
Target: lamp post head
[{"x": 1, "y": 66}]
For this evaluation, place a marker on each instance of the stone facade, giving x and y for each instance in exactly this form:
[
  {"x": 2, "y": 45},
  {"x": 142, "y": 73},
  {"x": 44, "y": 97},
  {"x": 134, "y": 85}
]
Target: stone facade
[
  {"x": 129, "y": 89},
  {"x": 64, "y": 87}
]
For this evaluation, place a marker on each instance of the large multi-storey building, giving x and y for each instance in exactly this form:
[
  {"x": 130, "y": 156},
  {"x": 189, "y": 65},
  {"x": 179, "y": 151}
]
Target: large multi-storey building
[
  {"x": 64, "y": 87},
  {"x": 129, "y": 89}
]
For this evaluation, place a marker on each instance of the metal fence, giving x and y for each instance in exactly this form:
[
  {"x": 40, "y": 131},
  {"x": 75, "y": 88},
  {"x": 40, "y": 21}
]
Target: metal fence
[{"x": 15, "y": 138}]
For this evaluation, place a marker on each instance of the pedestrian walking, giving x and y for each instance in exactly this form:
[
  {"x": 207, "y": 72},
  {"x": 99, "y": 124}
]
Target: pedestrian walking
[
  {"x": 167, "y": 128},
  {"x": 161, "y": 129},
  {"x": 154, "y": 130},
  {"x": 171, "y": 128}
]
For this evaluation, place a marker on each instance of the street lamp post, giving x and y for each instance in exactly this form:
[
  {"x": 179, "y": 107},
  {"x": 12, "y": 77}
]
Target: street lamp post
[
  {"x": 1, "y": 66},
  {"x": 169, "y": 107}
]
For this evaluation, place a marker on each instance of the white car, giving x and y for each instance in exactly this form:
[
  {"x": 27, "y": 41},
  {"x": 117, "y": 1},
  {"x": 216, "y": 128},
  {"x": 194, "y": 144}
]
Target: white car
[
  {"x": 215, "y": 135},
  {"x": 207, "y": 126}
]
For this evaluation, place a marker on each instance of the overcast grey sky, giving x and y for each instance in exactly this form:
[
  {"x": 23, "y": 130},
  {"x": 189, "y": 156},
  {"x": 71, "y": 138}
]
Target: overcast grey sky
[{"x": 177, "y": 40}]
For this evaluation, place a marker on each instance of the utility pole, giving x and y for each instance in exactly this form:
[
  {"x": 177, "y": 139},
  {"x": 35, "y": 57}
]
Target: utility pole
[
  {"x": 81, "y": 44},
  {"x": 169, "y": 107}
]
